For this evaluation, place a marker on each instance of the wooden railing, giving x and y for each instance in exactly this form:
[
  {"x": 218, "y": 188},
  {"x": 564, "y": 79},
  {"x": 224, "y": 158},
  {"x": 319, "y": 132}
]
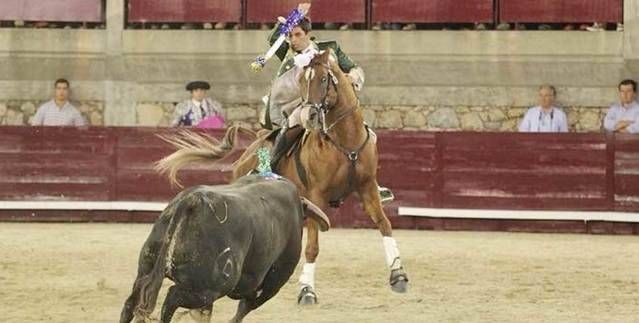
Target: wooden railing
[{"x": 460, "y": 170}]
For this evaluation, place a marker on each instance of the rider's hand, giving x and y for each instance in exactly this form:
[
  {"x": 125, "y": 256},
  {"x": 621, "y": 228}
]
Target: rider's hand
[
  {"x": 356, "y": 76},
  {"x": 281, "y": 19}
]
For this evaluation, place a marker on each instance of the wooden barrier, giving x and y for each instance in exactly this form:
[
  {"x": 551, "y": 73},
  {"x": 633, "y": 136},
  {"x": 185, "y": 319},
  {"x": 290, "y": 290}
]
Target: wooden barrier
[
  {"x": 564, "y": 11},
  {"x": 184, "y": 11},
  {"x": 433, "y": 11},
  {"x": 450, "y": 170},
  {"x": 95, "y": 164},
  {"x": 58, "y": 10}
]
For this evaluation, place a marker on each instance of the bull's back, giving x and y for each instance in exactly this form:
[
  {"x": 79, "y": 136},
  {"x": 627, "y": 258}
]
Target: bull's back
[{"x": 276, "y": 218}]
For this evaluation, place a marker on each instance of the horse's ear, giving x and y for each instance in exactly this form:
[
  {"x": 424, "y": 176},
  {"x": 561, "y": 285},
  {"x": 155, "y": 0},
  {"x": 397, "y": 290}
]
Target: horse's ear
[{"x": 325, "y": 55}]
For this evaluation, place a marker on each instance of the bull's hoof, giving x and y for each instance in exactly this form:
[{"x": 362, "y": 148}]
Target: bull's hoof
[
  {"x": 307, "y": 296},
  {"x": 399, "y": 281}
]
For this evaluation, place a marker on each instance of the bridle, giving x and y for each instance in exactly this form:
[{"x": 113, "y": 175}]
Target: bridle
[{"x": 322, "y": 108}]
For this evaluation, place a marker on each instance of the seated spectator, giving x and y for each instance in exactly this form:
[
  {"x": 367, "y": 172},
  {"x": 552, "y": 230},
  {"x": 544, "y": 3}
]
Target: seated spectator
[
  {"x": 200, "y": 110},
  {"x": 624, "y": 116},
  {"x": 58, "y": 111},
  {"x": 545, "y": 117}
]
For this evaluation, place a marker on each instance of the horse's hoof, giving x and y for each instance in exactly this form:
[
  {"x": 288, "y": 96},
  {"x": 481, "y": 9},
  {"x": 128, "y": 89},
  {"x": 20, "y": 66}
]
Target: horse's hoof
[
  {"x": 307, "y": 296},
  {"x": 399, "y": 281}
]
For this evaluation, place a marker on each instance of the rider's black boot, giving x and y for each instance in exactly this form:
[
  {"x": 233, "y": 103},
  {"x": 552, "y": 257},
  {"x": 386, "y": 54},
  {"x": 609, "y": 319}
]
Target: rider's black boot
[{"x": 285, "y": 139}]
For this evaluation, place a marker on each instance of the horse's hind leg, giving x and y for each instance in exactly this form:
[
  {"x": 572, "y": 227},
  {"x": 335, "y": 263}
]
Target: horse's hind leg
[{"x": 373, "y": 207}]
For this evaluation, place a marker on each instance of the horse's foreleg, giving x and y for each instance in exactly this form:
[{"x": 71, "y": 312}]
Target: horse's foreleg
[
  {"x": 307, "y": 278},
  {"x": 373, "y": 207}
]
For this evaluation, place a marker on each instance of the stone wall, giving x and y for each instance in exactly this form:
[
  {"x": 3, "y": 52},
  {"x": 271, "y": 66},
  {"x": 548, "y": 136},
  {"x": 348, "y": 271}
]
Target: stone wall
[
  {"x": 20, "y": 112},
  {"x": 472, "y": 80},
  {"x": 160, "y": 114},
  {"x": 469, "y": 118},
  {"x": 483, "y": 118}
]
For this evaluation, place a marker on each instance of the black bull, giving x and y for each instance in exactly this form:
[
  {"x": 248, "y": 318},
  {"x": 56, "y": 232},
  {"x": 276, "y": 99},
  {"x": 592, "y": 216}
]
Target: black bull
[{"x": 241, "y": 240}]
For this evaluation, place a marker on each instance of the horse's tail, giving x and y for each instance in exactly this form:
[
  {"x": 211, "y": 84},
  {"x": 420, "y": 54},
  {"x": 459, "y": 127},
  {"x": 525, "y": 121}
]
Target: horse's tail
[{"x": 194, "y": 147}]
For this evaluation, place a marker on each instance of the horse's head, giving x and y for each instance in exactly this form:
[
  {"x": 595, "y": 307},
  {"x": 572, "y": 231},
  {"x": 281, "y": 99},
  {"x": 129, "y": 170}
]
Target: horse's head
[{"x": 319, "y": 90}]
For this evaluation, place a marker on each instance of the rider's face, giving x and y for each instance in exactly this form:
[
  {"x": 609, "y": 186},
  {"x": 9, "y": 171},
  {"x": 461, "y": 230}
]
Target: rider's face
[{"x": 299, "y": 39}]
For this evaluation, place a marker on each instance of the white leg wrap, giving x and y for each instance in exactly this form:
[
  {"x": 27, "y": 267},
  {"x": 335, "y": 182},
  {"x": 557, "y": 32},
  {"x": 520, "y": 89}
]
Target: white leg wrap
[
  {"x": 392, "y": 253},
  {"x": 308, "y": 275}
]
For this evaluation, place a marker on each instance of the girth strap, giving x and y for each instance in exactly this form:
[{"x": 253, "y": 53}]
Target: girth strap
[{"x": 353, "y": 156}]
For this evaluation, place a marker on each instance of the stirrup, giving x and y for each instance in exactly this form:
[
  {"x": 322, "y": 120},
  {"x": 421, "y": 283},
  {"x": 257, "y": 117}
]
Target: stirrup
[{"x": 385, "y": 194}]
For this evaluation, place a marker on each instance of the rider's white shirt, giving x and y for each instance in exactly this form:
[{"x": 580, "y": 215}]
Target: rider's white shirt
[{"x": 285, "y": 92}]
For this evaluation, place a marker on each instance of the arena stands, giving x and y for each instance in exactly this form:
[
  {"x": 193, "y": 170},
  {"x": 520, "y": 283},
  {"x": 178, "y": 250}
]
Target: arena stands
[
  {"x": 60, "y": 10},
  {"x": 247, "y": 13}
]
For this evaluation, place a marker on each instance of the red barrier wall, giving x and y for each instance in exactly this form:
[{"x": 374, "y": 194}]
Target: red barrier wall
[
  {"x": 433, "y": 11},
  {"x": 184, "y": 11},
  {"x": 561, "y": 11},
  {"x": 344, "y": 11},
  {"x": 424, "y": 169},
  {"x": 92, "y": 164},
  {"x": 58, "y": 10},
  {"x": 626, "y": 171}
]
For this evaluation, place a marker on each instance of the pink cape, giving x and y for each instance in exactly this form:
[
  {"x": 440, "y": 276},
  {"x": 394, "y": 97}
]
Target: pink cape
[{"x": 211, "y": 122}]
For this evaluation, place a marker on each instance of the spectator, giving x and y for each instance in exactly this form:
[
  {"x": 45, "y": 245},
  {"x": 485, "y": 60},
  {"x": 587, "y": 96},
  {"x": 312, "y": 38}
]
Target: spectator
[
  {"x": 597, "y": 26},
  {"x": 200, "y": 110},
  {"x": 545, "y": 117},
  {"x": 624, "y": 116},
  {"x": 58, "y": 111}
]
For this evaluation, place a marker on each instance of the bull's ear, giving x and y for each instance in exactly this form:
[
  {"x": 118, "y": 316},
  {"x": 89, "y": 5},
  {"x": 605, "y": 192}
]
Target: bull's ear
[{"x": 316, "y": 214}]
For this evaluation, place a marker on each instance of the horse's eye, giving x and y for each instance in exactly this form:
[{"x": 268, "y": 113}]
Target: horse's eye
[{"x": 324, "y": 79}]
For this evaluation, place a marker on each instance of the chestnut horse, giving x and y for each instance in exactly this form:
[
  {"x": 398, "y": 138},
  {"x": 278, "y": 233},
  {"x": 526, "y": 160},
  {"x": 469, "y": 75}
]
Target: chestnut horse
[{"x": 338, "y": 157}]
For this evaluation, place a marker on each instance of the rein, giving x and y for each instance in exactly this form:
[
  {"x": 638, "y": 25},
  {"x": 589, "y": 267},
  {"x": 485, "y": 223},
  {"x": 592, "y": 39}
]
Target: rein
[{"x": 351, "y": 155}]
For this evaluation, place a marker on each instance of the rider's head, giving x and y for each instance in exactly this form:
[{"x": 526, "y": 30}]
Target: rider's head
[{"x": 300, "y": 37}]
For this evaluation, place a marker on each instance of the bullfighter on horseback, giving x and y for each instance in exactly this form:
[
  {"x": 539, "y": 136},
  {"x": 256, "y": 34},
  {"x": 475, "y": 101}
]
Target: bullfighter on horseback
[
  {"x": 339, "y": 156},
  {"x": 283, "y": 103}
]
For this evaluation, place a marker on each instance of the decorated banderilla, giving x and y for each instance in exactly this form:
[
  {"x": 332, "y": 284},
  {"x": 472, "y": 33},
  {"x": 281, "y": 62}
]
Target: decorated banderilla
[{"x": 285, "y": 28}]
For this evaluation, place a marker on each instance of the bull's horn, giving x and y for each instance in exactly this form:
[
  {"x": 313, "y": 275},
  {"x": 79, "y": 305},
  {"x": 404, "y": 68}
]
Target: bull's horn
[{"x": 317, "y": 214}]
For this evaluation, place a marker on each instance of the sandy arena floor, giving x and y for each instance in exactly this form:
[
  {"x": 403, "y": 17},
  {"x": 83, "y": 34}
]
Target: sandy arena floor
[{"x": 84, "y": 272}]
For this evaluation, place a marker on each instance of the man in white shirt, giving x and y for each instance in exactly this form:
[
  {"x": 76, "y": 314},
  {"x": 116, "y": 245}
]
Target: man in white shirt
[
  {"x": 545, "y": 117},
  {"x": 624, "y": 116},
  {"x": 191, "y": 112},
  {"x": 58, "y": 111}
]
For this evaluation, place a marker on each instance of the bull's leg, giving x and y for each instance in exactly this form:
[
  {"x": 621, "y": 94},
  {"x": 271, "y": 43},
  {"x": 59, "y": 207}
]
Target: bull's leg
[
  {"x": 243, "y": 308},
  {"x": 136, "y": 304},
  {"x": 178, "y": 297},
  {"x": 373, "y": 207},
  {"x": 277, "y": 276},
  {"x": 202, "y": 315}
]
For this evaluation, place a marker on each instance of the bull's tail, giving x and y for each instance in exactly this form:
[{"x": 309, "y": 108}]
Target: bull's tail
[
  {"x": 315, "y": 213},
  {"x": 194, "y": 147},
  {"x": 150, "y": 284}
]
